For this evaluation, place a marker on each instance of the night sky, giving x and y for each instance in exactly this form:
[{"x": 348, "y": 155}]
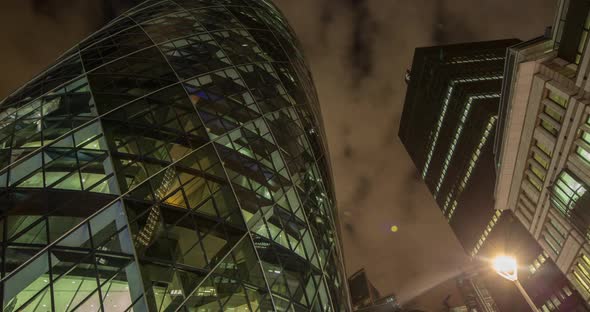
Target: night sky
[{"x": 358, "y": 51}]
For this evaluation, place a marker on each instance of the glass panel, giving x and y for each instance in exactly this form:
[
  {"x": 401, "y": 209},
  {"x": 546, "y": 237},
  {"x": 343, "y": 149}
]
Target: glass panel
[
  {"x": 27, "y": 283},
  {"x": 25, "y": 168}
]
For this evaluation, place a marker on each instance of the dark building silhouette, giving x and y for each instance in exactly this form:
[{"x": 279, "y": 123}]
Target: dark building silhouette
[
  {"x": 447, "y": 127},
  {"x": 173, "y": 160},
  {"x": 362, "y": 291},
  {"x": 366, "y": 298}
]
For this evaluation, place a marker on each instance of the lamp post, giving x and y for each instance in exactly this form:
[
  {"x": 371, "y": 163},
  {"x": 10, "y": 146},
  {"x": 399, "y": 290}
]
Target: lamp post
[{"x": 506, "y": 267}]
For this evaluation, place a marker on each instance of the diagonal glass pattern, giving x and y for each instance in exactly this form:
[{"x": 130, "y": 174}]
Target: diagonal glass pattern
[{"x": 171, "y": 161}]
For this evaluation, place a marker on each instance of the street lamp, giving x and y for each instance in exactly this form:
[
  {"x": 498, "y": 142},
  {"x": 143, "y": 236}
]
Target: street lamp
[{"x": 506, "y": 267}]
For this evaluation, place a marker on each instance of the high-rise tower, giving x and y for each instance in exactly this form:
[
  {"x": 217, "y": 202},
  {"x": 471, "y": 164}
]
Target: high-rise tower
[
  {"x": 172, "y": 161},
  {"x": 457, "y": 97},
  {"x": 543, "y": 146},
  {"x": 447, "y": 127}
]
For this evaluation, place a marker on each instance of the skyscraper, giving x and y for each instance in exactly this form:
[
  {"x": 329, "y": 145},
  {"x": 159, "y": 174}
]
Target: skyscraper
[
  {"x": 447, "y": 127},
  {"x": 456, "y": 96},
  {"x": 362, "y": 292},
  {"x": 543, "y": 152},
  {"x": 172, "y": 161}
]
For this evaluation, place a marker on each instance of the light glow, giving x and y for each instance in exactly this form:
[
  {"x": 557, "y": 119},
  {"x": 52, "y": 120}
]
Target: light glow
[{"x": 506, "y": 267}]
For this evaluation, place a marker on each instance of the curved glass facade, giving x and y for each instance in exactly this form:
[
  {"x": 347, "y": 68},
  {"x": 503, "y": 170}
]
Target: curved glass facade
[{"x": 172, "y": 161}]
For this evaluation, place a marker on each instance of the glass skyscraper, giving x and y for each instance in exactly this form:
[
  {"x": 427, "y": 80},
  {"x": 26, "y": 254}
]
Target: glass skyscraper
[{"x": 172, "y": 161}]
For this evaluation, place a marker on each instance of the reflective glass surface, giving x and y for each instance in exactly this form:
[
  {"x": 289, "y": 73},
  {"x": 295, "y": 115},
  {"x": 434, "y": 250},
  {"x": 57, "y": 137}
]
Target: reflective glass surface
[{"x": 172, "y": 161}]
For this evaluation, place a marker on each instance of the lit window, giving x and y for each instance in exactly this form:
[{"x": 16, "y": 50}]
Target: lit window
[
  {"x": 535, "y": 183},
  {"x": 544, "y": 148},
  {"x": 583, "y": 153},
  {"x": 538, "y": 172},
  {"x": 541, "y": 160},
  {"x": 549, "y": 127},
  {"x": 553, "y": 114},
  {"x": 557, "y": 99}
]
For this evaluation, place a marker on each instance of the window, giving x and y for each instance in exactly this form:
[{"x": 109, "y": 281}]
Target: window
[
  {"x": 583, "y": 40},
  {"x": 583, "y": 153},
  {"x": 566, "y": 192},
  {"x": 544, "y": 148},
  {"x": 561, "y": 101},
  {"x": 553, "y": 114},
  {"x": 581, "y": 275},
  {"x": 549, "y": 127},
  {"x": 535, "y": 183},
  {"x": 581, "y": 150},
  {"x": 538, "y": 172},
  {"x": 541, "y": 160}
]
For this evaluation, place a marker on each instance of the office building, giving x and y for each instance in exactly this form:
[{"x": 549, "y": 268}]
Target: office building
[
  {"x": 362, "y": 291},
  {"x": 476, "y": 294},
  {"x": 447, "y": 127},
  {"x": 366, "y": 298},
  {"x": 172, "y": 161},
  {"x": 543, "y": 147}
]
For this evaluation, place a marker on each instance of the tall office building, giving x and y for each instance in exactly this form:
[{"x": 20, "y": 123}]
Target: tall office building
[
  {"x": 447, "y": 127},
  {"x": 543, "y": 150},
  {"x": 172, "y": 161},
  {"x": 362, "y": 292}
]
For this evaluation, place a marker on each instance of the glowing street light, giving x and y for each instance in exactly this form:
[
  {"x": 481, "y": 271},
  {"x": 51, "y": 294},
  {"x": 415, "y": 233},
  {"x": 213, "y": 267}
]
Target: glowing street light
[{"x": 507, "y": 267}]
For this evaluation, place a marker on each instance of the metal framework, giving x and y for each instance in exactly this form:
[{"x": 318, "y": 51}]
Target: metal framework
[{"x": 172, "y": 161}]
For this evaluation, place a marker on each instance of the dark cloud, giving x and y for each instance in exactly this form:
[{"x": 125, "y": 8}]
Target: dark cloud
[
  {"x": 112, "y": 9},
  {"x": 347, "y": 151},
  {"x": 326, "y": 14},
  {"x": 364, "y": 30},
  {"x": 349, "y": 228},
  {"x": 439, "y": 36},
  {"x": 345, "y": 129},
  {"x": 390, "y": 136},
  {"x": 46, "y": 8},
  {"x": 407, "y": 196},
  {"x": 446, "y": 27},
  {"x": 362, "y": 191}
]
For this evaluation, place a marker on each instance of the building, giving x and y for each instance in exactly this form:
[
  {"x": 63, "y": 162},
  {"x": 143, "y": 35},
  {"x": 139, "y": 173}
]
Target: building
[
  {"x": 174, "y": 159},
  {"x": 362, "y": 291},
  {"x": 475, "y": 293},
  {"x": 543, "y": 147},
  {"x": 384, "y": 304},
  {"x": 453, "y": 104},
  {"x": 366, "y": 298},
  {"x": 447, "y": 127}
]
